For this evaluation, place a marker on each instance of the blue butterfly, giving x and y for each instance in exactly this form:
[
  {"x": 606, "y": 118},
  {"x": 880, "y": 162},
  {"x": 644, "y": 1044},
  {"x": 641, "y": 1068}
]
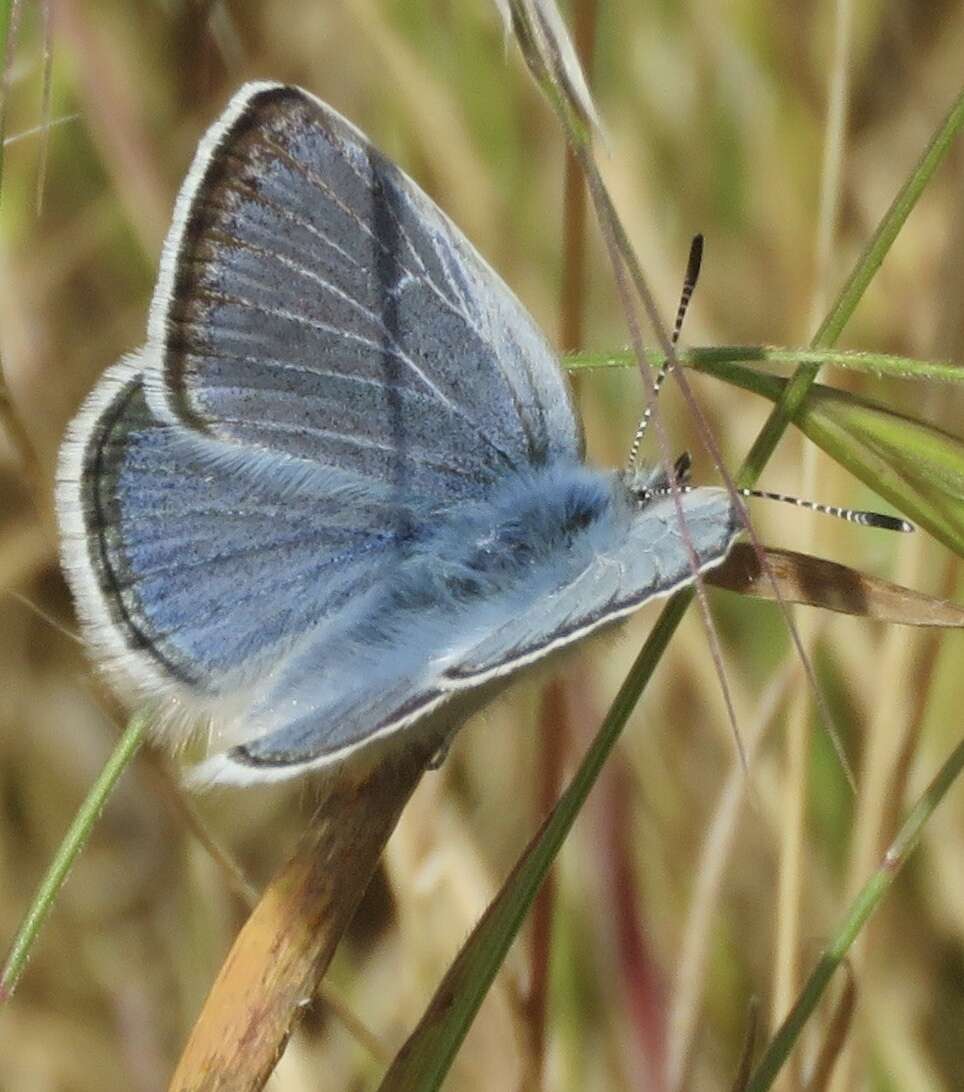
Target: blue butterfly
[{"x": 340, "y": 493}]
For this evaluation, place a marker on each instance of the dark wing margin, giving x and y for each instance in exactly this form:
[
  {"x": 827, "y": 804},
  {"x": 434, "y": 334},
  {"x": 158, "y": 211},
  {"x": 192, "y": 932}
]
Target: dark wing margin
[
  {"x": 313, "y": 300},
  {"x": 400, "y": 692},
  {"x": 195, "y": 563},
  {"x": 297, "y": 748},
  {"x": 651, "y": 563}
]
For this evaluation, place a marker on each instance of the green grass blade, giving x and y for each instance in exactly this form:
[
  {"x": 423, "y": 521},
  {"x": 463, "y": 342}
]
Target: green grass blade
[
  {"x": 427, "y": 1055},
  {"x": 860, "y": 910},
  {"x": 852, "y": 292},
  {"x": 6, "y": 21},
  {"x": 74, "y": 841},
  {"x": 9, "y": 18},
  {"x": 917, "y": 467},
  {"x": 706, "y": 358},
  {"x": 425, "y": 1059}
]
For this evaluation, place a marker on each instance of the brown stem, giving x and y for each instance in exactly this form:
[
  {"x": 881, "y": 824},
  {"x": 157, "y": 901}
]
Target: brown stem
[
  {"x": 284, "y": 948},
  {"x": 553, "y": 720},
  {"x": 552, "y": 744}
]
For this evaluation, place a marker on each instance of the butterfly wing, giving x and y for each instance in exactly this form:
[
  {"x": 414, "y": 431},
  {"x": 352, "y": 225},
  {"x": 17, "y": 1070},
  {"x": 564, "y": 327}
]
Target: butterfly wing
[
  {"x": 439, "y": 665},
  {"x": 650, "y": 561},
  {"x": 313, "y": 301},
  {"x": 332, "y": 697},
  {"x": 195, "y": 564},
  {"x": 330, "y": 364}
]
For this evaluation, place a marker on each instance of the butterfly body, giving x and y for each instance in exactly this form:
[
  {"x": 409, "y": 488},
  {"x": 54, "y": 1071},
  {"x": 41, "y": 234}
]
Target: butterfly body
[{"x": 340, "y": 493}]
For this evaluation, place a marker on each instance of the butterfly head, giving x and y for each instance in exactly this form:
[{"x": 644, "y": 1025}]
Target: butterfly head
[{"x": 645, "y": 483}]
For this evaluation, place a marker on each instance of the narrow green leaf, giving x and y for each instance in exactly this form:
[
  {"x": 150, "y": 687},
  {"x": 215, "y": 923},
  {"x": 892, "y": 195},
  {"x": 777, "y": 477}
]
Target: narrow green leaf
[
  {"x": 6, "y": 12},
  {"x": 705, "y": 359},
  {"x": 9, "y": 18},
  {"x": 74, "y": 841},
  {"x": 859, "y": 911},
  {"x": 427, "y": 1055},
  {"x": 853, "y": 290},
  {"x": 917, "y": 467},
  {"x": 423, "y": 1062}
]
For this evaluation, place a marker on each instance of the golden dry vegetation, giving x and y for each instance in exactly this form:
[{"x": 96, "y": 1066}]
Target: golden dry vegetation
[{"x": 715, "y": 119}]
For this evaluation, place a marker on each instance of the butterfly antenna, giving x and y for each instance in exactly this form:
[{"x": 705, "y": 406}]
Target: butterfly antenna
[
  {"x": 689, "y": 286},
  {"x": 852, "y": 515}
]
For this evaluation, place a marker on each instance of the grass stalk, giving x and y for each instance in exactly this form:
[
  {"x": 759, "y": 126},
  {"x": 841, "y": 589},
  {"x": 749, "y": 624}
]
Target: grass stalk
[{"x": 74, "y": 841}]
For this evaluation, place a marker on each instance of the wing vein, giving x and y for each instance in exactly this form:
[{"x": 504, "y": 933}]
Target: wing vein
[{"x": 322, "y": 186}]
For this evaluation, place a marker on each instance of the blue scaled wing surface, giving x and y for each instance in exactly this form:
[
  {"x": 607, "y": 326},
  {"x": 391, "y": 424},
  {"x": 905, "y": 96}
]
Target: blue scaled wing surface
[{"x": 277, "y": 516}]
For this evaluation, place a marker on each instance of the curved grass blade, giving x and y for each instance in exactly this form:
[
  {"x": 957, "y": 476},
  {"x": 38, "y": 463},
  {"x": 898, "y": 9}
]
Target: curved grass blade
[
  {"x": 427, "y": 1055},
  {"x": 10, "y": 12},
  {"x": 283, "y": 950},
  {"x": 860, "y": 910},
  {"x": 425, "y": 1058},
  {"x": 74, "y": 841},
  {"x": 919, "y": 468},
  {"x": 852, "y": 292},
  {"x": 706, "y": 358}
]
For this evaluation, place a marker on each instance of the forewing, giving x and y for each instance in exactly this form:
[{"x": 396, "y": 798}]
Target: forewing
[
  {"x": 326, "y": 705},
  {"x": 649, "y": 562},
  {"x": 442, "y": 667},
  {"x": 313, "y": 301},
  {"x": 196, "y": 564}
]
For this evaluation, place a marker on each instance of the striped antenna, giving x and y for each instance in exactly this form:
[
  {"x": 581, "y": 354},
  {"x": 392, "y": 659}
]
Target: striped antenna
[
  {"x": 689, "y": 286},
  {"x": 852, "y": 515}
]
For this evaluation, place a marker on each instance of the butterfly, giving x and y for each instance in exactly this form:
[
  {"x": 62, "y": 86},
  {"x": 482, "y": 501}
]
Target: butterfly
[{"x": 340, "y": 494}]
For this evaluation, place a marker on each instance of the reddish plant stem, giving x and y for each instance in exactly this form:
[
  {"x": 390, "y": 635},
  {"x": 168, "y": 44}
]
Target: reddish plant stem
[
  {"x": 552, "y": 720},
  {"x": 643, "y": 984}
]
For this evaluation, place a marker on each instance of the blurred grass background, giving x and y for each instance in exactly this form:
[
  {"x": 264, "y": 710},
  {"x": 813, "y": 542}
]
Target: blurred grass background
[{"x": 715, "y": 122}]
